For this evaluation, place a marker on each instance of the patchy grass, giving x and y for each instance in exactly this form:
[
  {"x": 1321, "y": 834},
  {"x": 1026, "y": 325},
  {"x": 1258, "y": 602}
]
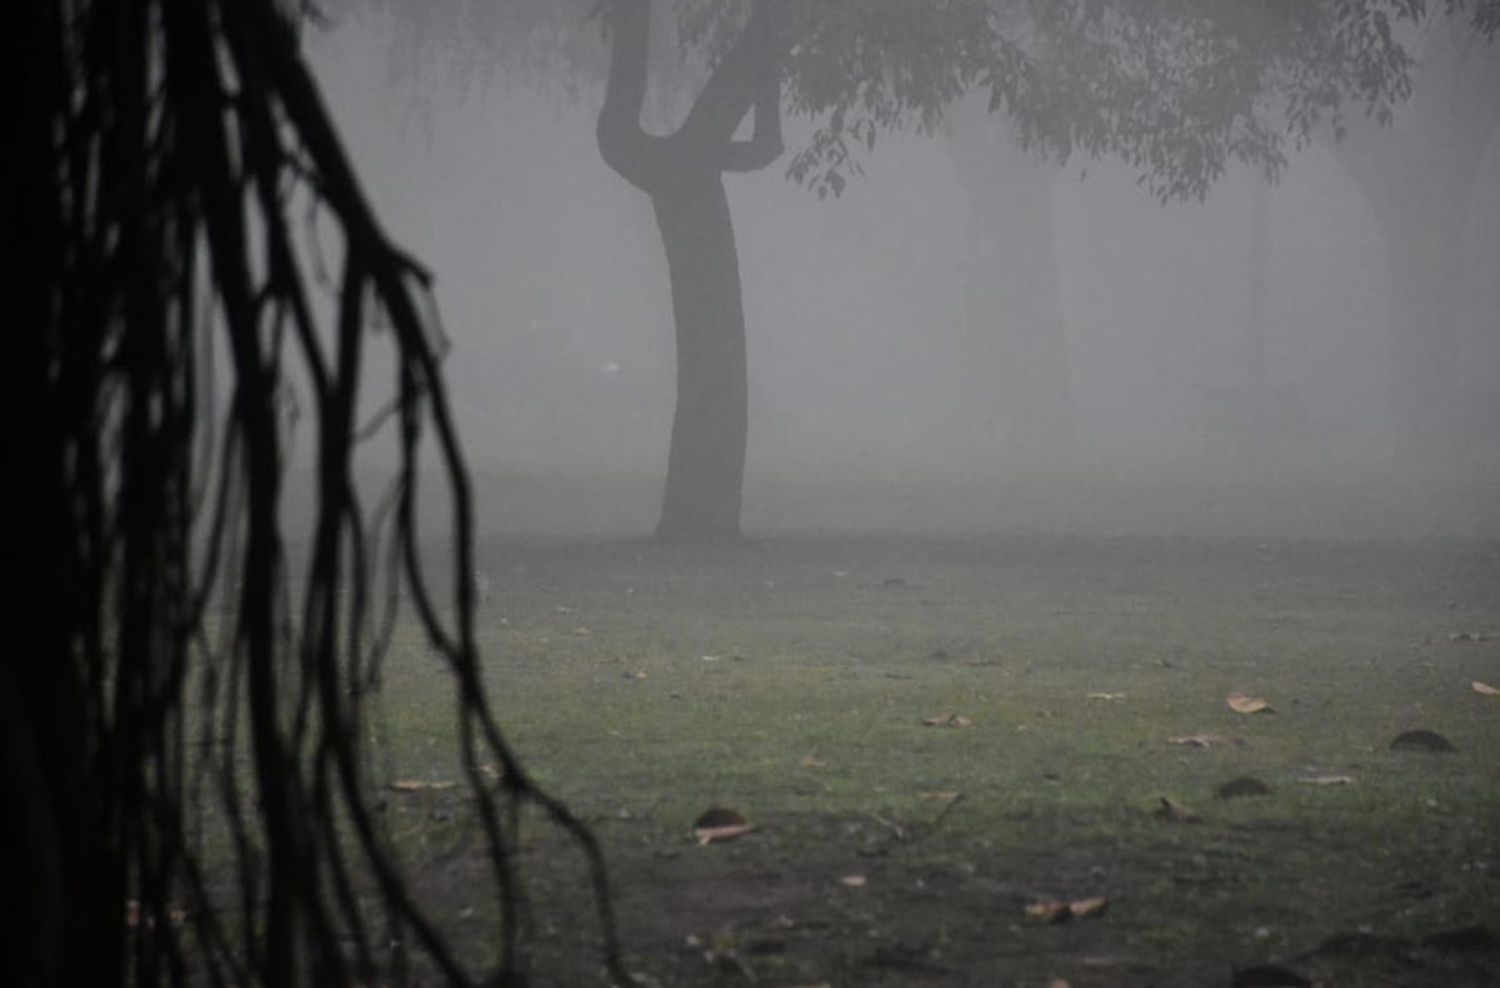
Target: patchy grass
[{"x": 789, "y": 680}]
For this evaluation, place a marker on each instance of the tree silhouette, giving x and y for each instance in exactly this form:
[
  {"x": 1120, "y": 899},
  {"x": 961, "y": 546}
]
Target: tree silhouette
[
  {"x": 1177, "y": 89},
  {"x": 184, "y": 696}
]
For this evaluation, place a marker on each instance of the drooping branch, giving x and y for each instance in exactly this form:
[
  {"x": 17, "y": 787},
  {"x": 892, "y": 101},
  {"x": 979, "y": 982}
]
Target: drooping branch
[{"x": 165, "y": 150}]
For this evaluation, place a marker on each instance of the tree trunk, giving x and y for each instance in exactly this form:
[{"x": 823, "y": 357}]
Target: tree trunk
[
  {"x": 683, "y": 174},
  {"x": 706, "y": 461}
]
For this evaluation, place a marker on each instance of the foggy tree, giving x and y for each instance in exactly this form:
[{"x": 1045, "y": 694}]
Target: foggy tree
[
  {"x": 184, "y": 701},
  {"x": 683, "y": 175},
  {"x": 1014, "y": 336},
  {"x": 1175, "y": 88},
  {"x": 1419, "y": 179}
]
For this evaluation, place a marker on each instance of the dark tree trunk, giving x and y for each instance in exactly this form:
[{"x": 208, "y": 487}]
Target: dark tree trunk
[
  {"x": 683, "y": 174},
  {"x": 706, "y": 461}
]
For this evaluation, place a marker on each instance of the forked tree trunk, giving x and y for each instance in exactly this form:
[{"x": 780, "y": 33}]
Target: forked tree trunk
[{"x": 683, "y": 174}]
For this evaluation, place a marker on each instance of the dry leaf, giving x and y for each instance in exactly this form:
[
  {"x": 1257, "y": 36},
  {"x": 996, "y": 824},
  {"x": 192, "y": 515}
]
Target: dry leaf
[
  {"x": 419, "y": 785},
  {"x": 718, "y": 823},
  {"x": 1174, "y": 812},
  {"x": 1484, "y": 688},
  {"x": 853, "y": 881},
  {"x": 1061, "y": 910},
  {"x": 1242, "y": 704},
  {"x": 708, "y": 835},
  {"x": 810, "y": 761},
  {"x": 941, "y": 795},
  {"x": 1327, "y": 780},
  {"x": 1105, "y": 696},
  {"x": 1058, "y": 983},
  {"x": 1200, "y": 740},
  {"x": 1049, "y": 911},
  {"x": 946, "y": 720}
]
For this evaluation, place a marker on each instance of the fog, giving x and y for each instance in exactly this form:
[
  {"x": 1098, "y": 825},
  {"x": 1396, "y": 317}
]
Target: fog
[{"x": 1028, "y": 348}]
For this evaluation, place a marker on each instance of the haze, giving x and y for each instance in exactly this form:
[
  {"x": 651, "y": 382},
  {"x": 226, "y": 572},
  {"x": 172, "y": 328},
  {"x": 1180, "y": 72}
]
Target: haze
[{"x": 1041, "y": 349}]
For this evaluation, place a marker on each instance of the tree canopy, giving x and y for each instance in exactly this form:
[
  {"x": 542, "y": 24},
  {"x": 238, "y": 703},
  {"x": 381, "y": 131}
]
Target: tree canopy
[{"x": 1178, "y": 89}]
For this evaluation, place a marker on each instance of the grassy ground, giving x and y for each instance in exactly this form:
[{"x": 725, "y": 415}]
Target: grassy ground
[{"x": 789, "y": 680}]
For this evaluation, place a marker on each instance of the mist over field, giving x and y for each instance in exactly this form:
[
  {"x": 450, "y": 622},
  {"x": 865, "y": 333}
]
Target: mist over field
[
  {"x": 678, "y": 493},
  {"x": 968, "y": 339}
]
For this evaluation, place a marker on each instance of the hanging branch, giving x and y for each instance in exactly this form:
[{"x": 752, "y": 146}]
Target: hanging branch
[{"x": 166, "y": 143}]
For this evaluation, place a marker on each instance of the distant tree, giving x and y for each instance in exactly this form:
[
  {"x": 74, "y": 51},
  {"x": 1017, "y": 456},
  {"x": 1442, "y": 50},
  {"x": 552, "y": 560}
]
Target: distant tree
[
  {"x": 179, "y": 692},
  {"x": 1420, "y": 178},
  {"x": 1176, "y": 88},
  {"x": 1014, "y": 337}
]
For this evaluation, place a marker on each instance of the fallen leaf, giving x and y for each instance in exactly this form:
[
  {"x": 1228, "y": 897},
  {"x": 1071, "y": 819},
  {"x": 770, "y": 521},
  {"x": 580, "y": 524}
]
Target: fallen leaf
[
  {"x": 1484, "y": 688},
  {"x": 1240, "y": 703},
  {"x": 1422, "y": 740},
  {"x": 1063, "y": 910},
  {"x": 719, "y": 823},
  {"x": 1174, "y": 812},
  {"x": 946, "y": 720},
  {"x": 420, "y": 785},
  {"x": 1104, "y": 696},
  {"x": 1058, "y": 983},
  {"x": 853, "y": 881},
  {"x": 1327, "y": 780},
  {"x": 1201, "y": 740},
  {"x": 811, "y": 761},
  {"x": 637, "y": 674},
  {"x": 1049, "y": 911},
  {"x": 709, "y": 835},
  {"x": 1245, "y": 785}
]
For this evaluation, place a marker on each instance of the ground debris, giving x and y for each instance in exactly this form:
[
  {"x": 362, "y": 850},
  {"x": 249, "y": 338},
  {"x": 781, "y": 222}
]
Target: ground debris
[{"x": 1422, "y": 740}]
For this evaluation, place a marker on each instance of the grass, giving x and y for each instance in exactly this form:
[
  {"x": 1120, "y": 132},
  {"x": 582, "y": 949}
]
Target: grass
[{"x": 789, "y": 680}]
